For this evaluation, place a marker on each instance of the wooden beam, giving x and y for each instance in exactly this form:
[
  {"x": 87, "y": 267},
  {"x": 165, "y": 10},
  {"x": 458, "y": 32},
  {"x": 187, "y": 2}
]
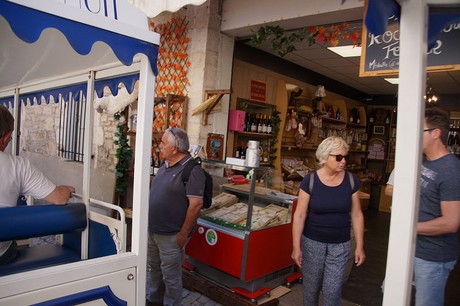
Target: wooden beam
[{"x": 219, "y": 93}]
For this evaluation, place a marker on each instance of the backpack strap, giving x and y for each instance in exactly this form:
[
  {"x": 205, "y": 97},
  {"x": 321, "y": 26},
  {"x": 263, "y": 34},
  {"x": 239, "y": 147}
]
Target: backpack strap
[
  {"x": 352, "y": 180},
  {"x": 191, "y": 163},
  {"x": 312, "y": 179}
]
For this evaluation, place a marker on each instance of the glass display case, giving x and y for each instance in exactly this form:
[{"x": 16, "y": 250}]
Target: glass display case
[{"x": 244, "y": 240}]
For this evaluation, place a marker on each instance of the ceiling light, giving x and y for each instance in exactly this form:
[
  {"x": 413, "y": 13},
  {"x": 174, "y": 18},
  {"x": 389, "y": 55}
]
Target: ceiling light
[
  {"x": 392, "y": 80},
  {"x": 431, "y": 99},
  {"x": 346, "y": 51}
]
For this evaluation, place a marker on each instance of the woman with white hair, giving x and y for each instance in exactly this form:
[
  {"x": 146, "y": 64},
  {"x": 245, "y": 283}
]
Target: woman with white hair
[{"x": 326, "y": 208}]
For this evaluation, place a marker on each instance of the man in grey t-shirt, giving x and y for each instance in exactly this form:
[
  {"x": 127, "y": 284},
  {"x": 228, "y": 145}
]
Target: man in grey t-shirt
[
  {"x": 437, "y": 247},
  {"x": 173, "y": 212}
]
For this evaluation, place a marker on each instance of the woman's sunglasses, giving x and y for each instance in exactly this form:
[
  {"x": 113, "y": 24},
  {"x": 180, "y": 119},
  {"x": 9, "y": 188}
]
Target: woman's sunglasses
[{"x": 339, "y": 157}]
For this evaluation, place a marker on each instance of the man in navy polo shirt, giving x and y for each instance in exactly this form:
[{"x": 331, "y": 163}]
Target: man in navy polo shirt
[{"x": 173, "y": 212}]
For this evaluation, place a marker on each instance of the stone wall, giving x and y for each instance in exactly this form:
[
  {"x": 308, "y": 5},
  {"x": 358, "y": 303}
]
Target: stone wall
[
  {"x": 211, "y": 55},
  {"x": 39, "y": 143},
  {"x": 40, "y": 134},
  {"x": 211, "y": 58},
  {"x": 103, "y": 146},
  {"x": 39, "y": 128}
]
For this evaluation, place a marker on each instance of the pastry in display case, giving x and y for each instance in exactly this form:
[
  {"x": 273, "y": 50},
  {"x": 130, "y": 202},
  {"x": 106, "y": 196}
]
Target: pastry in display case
[{"x": 235, "y": 214}]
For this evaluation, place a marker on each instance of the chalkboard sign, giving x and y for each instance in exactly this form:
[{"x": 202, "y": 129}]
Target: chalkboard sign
[{"x": 380, "y": 55}]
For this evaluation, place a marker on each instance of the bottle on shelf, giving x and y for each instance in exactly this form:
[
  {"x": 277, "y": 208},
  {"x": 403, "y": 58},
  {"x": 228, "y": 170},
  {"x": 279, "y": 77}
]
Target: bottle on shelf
[
  {"x": 269, "y": 125},
  {"x": 247, "y": 126},
  {"x": 371, "y": 117},
  {"x": 265, "y": 154},
  {"x": 358, "y": 120},
  {"x": 338, "y": 115},
  {"x": 264, "y": 124},
  {"x": 259, "y": 124},
  {"x": 242, "y": 150},
  {"x": 253, "y": 123},
  {"x": 387, "y": 118},
  {"x": 352, "y": 117}
]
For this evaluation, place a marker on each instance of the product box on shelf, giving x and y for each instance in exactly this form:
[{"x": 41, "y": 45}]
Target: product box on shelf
[{"x": 236, "y": 121}]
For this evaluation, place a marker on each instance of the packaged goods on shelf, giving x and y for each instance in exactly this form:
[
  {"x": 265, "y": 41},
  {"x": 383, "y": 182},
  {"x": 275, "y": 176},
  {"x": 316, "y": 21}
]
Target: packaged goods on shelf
[
  {"x": 292, "y": 187},
  {"x": 294, "y": 168}
]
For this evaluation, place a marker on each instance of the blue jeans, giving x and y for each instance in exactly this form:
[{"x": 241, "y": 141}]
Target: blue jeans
[
  {"x": 430, "y": 281},
  {"x": 164, "y": 265}
]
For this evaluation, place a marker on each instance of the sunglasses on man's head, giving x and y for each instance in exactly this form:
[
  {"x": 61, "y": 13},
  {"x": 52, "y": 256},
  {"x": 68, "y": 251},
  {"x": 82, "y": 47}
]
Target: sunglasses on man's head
[
  {"x": 339, "y": 157},
  {"x": 172, "y": 131}
]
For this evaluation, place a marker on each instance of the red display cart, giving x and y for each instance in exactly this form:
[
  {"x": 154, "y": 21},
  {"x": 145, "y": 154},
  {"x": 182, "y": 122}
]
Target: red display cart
[{"x": 250, "y": 254}]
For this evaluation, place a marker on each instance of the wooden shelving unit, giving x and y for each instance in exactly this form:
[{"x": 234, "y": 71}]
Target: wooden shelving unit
[{"x": 265, "y": 139}]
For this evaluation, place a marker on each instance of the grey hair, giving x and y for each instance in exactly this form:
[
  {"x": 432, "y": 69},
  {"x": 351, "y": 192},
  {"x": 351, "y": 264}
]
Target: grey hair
[
  {"x": 6, "y": 121},
  {"x": 327, "y": 146},
  {"x": 179, "y": 137}
]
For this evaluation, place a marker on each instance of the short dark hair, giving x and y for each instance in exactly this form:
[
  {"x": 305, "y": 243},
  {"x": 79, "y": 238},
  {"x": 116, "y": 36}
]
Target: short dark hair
[
  {"x": 437, "y": 118},
  {"x": 6, "y": 121}
]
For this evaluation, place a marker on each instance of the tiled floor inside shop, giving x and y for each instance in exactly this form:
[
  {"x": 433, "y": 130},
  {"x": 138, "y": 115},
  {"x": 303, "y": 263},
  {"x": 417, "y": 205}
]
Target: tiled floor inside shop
[{"x": 363, "y": 286}]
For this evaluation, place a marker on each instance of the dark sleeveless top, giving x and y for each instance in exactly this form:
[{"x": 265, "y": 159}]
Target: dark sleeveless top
[{"x": 328, "y": 217}]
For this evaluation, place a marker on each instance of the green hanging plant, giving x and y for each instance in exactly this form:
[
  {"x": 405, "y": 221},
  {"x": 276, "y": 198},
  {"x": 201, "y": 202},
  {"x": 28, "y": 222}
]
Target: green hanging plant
[
  {"x": 276, "y": 122},
  {"x": 283, "y": 42},
  {"x": 124, "y": 154}
]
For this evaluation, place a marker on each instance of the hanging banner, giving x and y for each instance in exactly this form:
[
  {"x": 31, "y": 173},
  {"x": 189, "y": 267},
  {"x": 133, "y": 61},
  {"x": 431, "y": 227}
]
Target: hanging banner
[{"x": 380, "y": 53}]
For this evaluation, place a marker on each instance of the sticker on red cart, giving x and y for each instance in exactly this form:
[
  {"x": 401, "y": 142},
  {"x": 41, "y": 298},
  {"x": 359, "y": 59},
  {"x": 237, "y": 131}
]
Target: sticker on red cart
[{"x": 211, "y": 236}]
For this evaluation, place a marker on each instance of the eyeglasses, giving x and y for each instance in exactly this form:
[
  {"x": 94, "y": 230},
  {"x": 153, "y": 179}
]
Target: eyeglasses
[
  {"x": 339, "y": 157},
  {"x": 430, "y": 129}
]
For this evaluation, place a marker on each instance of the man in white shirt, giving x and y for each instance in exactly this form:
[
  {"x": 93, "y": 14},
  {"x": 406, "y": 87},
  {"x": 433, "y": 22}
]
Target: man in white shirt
[
  {"x": 390, "y": 183},
  {"x": 20, "y": 177}
]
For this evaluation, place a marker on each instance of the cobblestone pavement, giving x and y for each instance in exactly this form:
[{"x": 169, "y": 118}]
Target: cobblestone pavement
[
  {"x": 192, "y": 298},
  {"x": 294, "y": 297}
]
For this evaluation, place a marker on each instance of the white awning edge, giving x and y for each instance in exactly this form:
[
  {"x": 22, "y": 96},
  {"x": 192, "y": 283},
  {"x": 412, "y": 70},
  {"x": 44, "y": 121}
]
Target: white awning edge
[{"x": 153, "y": 8}]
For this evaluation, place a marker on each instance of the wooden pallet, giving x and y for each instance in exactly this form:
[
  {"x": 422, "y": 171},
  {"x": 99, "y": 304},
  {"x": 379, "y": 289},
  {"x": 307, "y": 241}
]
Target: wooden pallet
[{"x": 195, "y": 282}]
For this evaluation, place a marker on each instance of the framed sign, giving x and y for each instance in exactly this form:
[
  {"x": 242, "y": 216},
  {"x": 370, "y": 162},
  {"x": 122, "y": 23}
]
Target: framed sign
[
  {"x": 380, "y": 53},
  {"x": 215, "y": 146},
  {"x": 258, "y": 91},
  {"x": 379, "y": 130}
]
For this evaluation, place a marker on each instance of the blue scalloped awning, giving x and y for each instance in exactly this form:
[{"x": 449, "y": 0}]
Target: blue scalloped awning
[
  {"x": 379, "y": 11},
  {"x": 28, "y": 24},
  {"x": 54, "y": 92},
  {"x": 128, "y": 80},
  {"x": 112, "y": 83},
  {"x": 7, "y": 101}
]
